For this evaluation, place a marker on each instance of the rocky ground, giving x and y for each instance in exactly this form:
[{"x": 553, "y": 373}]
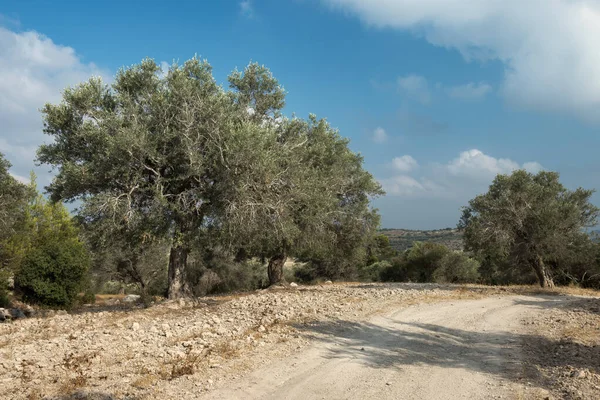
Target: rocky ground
[
  {"x": 563, "y": 348},
  {"x": 187, "y": 349}
]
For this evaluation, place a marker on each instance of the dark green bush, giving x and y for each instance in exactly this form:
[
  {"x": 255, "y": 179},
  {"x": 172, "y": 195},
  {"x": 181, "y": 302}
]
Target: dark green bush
[
  {"x": 456, "y": 267},
  {"x": 373, "y": 272},
  {"x": 53, "y": 272}
]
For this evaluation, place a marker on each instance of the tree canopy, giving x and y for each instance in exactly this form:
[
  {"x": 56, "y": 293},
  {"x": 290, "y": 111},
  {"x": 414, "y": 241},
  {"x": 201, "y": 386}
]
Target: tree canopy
[
  {"x": 531, "y": 220},
  {"x": 174, "y": 155}
]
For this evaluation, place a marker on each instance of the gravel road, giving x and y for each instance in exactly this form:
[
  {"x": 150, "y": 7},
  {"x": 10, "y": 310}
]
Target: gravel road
[{"x": 452, "y": 350}]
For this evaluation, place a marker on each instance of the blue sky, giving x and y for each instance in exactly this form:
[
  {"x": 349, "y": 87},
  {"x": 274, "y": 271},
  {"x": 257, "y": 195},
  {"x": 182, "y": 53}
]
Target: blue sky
[{"x": 438, "y": 95}]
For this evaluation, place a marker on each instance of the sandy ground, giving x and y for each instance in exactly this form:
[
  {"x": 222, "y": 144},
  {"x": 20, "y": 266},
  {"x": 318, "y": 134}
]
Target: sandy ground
[{"x": 452, "y": 350}]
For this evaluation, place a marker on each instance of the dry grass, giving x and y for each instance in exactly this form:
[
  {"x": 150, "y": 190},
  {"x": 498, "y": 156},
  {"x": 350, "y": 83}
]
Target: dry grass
[
  {"x": 71, "y": 385},
  {"x": 146, "y": 381}
]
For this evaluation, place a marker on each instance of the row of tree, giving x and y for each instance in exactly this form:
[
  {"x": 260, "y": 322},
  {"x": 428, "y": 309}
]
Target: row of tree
[
  {"x": 174, "y": 160},
  {"x": 176, "y": 178}
]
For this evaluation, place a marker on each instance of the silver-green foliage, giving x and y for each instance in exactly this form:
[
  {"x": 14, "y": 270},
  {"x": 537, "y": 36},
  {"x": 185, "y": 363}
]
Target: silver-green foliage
[
  {"x": 178, "y": 158},
  {"x": 530, "y": 221}
]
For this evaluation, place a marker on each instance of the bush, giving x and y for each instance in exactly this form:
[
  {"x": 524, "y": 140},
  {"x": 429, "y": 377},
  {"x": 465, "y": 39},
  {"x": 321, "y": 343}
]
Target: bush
[
  {"x": 216, "y": 271},
  {"x": 396, "y": 271},
  {"x": 456, "y": 267},
  {"x": 373, "y": 272},
  {"x": 423, "y": 259},
  {"x": 53, "y": 272}
]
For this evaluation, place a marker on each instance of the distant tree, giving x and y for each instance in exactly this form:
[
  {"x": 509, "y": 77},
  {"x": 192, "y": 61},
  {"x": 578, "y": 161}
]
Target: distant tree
[
  {"x": 13, "y": 200},
  {"x": 380, "y": 249},
  {"x": 530, "y": 220},
  {"x": 456, "y": 267},
  {"x": 423, "y": 259}
]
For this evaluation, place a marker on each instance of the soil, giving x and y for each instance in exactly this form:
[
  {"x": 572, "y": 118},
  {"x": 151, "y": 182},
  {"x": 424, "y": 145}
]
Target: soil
[{"x": 400, "y": 341}]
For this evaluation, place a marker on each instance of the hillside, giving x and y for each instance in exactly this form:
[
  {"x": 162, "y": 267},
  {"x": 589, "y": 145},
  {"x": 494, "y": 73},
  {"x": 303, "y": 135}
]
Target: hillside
[{"x": 402, "y": 239}]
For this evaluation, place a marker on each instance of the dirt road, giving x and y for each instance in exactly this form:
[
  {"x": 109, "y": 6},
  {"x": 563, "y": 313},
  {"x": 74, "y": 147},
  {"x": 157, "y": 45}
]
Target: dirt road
[{"x": 451, "y": 350}]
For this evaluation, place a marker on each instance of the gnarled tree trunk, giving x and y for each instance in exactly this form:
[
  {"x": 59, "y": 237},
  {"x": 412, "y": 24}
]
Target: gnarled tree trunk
[
  {"x": 178, "y": 286},
  {"x": 542, "y": 272},
  {"x": 275, "y": 269}
]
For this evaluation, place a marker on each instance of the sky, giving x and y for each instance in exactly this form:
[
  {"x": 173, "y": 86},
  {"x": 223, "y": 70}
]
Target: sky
[{"x": 439, "y": 96}]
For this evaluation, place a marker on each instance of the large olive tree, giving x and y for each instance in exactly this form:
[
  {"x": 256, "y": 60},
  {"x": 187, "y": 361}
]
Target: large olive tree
[
  {"x": 529, "y": 220},
  {"x": 146, "y": 148},
  {"x": 306, "y": 194}
]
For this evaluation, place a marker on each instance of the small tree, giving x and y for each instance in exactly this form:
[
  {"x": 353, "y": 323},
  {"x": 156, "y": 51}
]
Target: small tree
[
  {"x": 528, "y": 219},
  {"x": 13, "y": 201},
  {"x": 54, "y": 263}
]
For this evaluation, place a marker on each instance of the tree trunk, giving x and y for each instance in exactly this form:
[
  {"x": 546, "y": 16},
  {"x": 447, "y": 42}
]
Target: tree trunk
[
  {"x": 543, "y": 273},
  {"x": 275, "y": 269},
  {"x": 178, "y": 286}
]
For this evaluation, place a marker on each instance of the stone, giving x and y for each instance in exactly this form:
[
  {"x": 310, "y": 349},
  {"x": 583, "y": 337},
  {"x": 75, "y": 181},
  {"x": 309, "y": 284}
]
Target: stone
[
  {"x": 28, "y": 310},
  {"x": 579, "y": 374},
  {"x": 262, "y": 328},
  {"x": 131, "y": 298},
  {"x": 293, "y": 284},
  {"x": 5, "y": 315},
  {"x": 328, "y": 282},
  {"x": 16, "y": 313},
  {"x": 135, "y": 326}
]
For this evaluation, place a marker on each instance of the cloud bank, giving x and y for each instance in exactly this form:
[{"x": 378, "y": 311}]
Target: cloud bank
[{"x": 549, "y": 47}]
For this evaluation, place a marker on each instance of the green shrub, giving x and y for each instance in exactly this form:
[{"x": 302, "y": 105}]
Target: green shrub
[
  {"x": 456, "y": 267},
  {"x": 373, "y": 272},
  {"x": 396, "y": 271},
  {"x": 88, "y": 297},
  {"x": 53, "y": 272}
]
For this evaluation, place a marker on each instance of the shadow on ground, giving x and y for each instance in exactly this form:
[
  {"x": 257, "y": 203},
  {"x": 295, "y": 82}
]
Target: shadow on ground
[{"x": 400, "y": 344}]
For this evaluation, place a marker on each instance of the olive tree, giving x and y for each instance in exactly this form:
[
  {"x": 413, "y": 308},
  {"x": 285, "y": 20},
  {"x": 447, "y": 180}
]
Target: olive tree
[
  {"x": 176, "y": 157},
  {"x": 306, "y": 193},
  {"x": 530, "y": 220},
  {"x": 146, "y": 148}
]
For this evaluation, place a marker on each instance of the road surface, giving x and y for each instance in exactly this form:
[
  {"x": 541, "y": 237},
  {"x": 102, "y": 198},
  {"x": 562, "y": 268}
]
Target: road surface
[{"x": 451, "y": 350}]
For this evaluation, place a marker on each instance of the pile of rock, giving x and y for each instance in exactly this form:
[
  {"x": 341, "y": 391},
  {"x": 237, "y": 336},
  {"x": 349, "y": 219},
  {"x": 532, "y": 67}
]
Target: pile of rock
[{"x": 16, "y": 313}]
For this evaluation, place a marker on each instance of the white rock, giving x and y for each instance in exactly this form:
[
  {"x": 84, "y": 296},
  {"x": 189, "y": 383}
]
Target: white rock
[
  {"x": 131, "y": 298},
  {"x": 262, "y": 328},
  {"x": 135, "y": 326},
  {"x": 293, "y": 284}
]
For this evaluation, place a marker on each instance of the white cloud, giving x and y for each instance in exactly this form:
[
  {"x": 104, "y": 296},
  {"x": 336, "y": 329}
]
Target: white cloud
[
  {"x": 470, "y": 91},
  {"x": 379, "y": 135},
  {"x": 246, "y": 8},
  {"x": 475, "y": 164},
  {"x": 461, "y": 178},
  {"x": 20, "y": 178},
  {"x": 33, "y": 71},
  {"x": 549, "y": 47},
  {"x": 416, "y": 87},
  {"x": 532, "y": 167},
  {"x": 407, "y": 186},
  {"x": 404, "y": 164}
]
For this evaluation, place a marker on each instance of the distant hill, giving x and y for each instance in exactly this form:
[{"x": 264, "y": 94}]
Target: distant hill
[{"x": 402, "y": 239}]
